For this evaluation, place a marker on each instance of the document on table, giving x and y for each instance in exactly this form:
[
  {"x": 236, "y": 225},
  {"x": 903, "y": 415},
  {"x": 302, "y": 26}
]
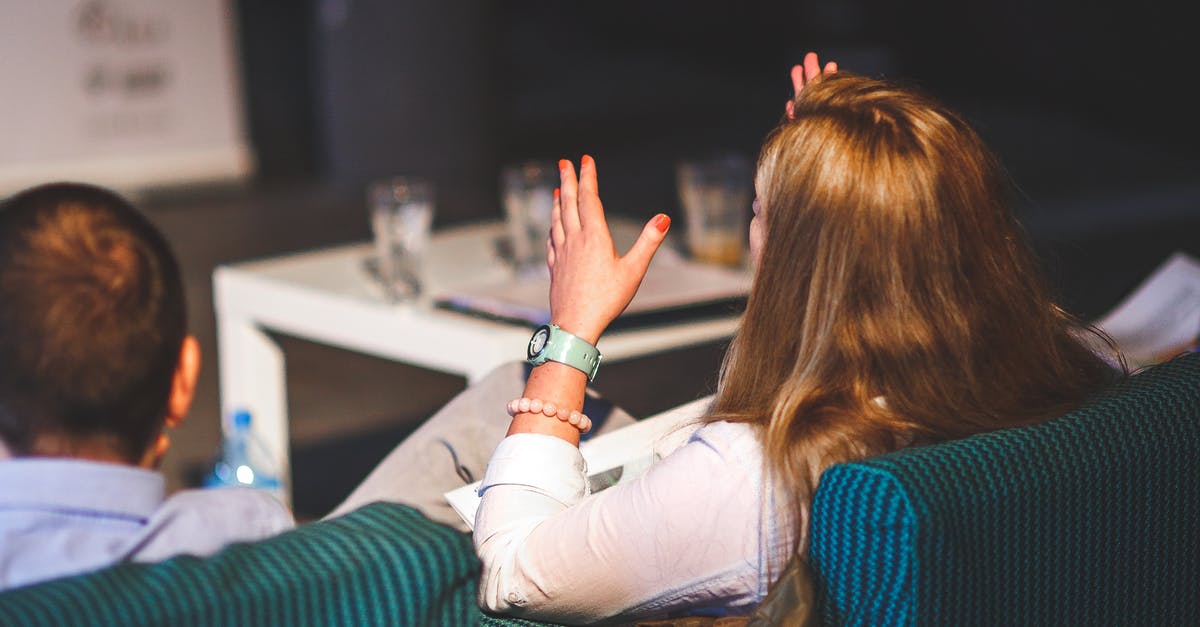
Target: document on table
[
  {"x": 615, "y": 457},
  {"x": 673, "y": 287},
  {"x": 1162, "y": 316}
]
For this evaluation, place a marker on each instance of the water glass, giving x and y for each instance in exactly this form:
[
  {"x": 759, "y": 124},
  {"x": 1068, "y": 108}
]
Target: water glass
[
  {"x": 716, "y": 195},
  {"x": 528, "y": 193},
  {"x": 401, "y": 216}
]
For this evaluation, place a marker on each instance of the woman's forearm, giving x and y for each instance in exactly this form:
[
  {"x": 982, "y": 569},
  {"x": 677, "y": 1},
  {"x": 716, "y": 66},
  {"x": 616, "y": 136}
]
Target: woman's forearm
[{"x": 557, "y": 383}]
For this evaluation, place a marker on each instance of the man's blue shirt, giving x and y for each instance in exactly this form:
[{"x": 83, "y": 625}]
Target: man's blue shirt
[{"x": 61, "y": 517}]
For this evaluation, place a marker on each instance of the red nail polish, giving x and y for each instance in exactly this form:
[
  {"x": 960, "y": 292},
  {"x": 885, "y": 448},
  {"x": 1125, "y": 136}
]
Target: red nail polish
[
  {"x": 557, "y": 191},
  {"x": 587, "y": 160},
  {"x": 562, "y": 164},
  {"x": 662, "y": 222}
]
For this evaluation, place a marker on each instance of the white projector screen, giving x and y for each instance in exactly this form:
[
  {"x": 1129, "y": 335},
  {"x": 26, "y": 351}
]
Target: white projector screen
[{"x": 128, "y": 94}]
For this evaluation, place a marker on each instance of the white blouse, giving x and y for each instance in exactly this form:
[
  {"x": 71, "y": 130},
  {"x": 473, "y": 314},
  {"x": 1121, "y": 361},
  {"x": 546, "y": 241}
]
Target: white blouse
[{"x": 696, "y": 532}]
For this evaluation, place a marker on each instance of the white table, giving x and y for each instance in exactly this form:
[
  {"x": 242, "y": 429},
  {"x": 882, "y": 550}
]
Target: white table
[{"x": 327, "y": 296}]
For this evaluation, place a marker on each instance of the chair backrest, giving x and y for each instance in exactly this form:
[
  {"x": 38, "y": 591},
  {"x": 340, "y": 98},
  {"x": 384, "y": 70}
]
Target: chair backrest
[
  {"x": 1092, "y": 518},
  {"x": 383, "y": 564}
]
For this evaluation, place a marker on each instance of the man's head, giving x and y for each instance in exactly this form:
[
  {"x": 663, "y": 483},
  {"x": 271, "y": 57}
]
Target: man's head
[{"x": 94, "y": 356}]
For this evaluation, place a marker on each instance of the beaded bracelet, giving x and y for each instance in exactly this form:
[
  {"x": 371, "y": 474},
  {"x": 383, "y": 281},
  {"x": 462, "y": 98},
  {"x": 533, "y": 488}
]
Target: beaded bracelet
[{"x": 538, "y": 406}]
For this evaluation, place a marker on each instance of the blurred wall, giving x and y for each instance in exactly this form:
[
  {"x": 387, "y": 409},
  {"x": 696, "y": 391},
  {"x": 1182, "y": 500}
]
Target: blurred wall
[
  {"x": 1077, "y": 98},
  {"x": 406, "y": 88}
]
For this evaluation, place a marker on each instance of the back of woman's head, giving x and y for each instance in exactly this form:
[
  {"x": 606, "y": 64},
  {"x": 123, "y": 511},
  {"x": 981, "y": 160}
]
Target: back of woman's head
[{"x": 895, "y": 298}]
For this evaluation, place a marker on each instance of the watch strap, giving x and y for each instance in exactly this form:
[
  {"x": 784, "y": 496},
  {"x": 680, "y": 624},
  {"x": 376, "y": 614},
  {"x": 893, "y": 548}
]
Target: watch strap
[{"x": 570, "y": 349}]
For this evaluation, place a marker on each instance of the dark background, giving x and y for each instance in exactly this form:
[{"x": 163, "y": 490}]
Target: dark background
[{"x": 1086, "y": 105}]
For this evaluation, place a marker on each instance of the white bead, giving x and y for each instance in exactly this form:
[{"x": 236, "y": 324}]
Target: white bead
[
  {"x": 524, "y": 405},
  {"x": 535, "y": 405}
]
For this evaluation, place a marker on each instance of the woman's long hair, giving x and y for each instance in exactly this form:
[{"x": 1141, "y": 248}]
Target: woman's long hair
[{"x": 896, "y": 300}]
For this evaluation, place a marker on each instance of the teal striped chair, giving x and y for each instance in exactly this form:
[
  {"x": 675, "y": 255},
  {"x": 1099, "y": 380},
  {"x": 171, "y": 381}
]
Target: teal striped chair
[
  {"x": 1090, "y": 519},
  {"x": 384, "y": 564},
  {"x": 1093, "y": 518}
]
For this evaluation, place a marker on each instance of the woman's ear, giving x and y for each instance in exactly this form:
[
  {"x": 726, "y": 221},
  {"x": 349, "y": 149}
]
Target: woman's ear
[{"x": 183, "y": 384}]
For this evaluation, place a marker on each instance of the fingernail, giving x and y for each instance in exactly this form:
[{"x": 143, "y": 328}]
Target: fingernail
[
  {"x": 662, "y": 222},
  {"x": 562, "y": 164},
  {"x": 587, "y": 160},
  {"x": 557, "y": 191}
]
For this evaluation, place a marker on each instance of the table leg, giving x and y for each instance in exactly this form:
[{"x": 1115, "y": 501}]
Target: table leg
[{"x": 252, "y": 378}]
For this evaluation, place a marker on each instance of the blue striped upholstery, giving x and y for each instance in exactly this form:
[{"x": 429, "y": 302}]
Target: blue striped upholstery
[
  {"x": 381, "y": 565},
  {"x": 1090, "y": 519},
  {"x": 1093, "y": 518}
]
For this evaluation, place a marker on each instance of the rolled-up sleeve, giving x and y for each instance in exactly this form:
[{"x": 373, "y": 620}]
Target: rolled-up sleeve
[
  {"x": 685, "y": 533},
  {"x": 530, "y": 476}
]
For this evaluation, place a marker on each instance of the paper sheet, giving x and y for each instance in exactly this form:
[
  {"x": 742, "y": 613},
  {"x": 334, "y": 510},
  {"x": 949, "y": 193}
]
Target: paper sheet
[{"x": 1162, "y": 316}]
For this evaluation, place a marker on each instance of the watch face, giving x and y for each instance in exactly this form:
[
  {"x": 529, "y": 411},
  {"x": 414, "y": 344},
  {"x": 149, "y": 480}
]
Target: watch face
[{"x": 538, "y": 341}]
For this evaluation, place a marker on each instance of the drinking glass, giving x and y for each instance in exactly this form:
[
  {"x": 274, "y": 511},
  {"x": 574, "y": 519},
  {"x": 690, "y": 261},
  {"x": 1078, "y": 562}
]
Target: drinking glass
[
  {"x": 401, "y": 216},
  {"x": 716, "y": 194},
  {"x": 528, "y": 193}
]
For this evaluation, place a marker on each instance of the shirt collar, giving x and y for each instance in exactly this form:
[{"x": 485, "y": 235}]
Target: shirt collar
[{"x": 73, "y": 484}]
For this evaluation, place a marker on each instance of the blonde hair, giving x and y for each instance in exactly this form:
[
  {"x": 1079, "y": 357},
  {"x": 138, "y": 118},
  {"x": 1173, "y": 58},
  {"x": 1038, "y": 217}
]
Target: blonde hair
[{"x": 896, "y": 300}]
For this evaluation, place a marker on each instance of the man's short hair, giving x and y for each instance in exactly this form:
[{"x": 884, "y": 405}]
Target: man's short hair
[{"x": 92, "y": 320}]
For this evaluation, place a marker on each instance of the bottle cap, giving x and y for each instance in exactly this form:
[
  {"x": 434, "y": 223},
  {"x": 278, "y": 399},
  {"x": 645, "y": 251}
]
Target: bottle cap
[{"x": 241, "y": 419}]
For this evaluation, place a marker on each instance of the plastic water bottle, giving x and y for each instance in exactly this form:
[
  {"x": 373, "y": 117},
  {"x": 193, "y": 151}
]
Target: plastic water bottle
[{"x": 242, "y": 460}]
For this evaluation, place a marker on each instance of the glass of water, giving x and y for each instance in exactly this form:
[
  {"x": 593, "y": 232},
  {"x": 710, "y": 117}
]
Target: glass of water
[
  {"x": 716, "y": 195},
  {"x": 528, "y": 193},
  {"x": 401, "y": 210}
]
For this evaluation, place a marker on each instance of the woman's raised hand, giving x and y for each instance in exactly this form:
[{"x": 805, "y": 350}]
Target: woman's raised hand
[
  {"x": 809, "y": 72},
  {"x": 590, "y": 283}
]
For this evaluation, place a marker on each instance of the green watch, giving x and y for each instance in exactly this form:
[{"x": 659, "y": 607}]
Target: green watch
[{"x": 550, "y": 343}]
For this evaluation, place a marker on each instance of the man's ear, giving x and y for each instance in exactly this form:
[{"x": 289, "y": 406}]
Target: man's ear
[{"x": 183, "y": 384}]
